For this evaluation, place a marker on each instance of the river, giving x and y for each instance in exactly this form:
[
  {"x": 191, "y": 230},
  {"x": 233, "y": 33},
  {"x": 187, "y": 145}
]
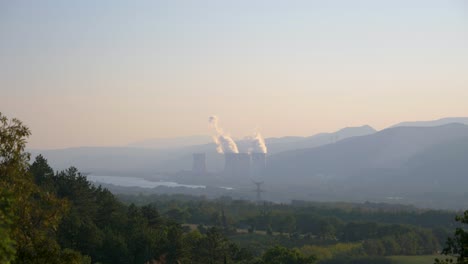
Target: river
[{"x": 136, "y": 182}]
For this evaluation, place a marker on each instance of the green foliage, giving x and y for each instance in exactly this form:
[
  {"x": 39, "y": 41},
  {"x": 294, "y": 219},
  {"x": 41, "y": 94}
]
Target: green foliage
[
  {"x": 105, "y": 230},
  {"x": 212, "y": 248},
  {"x": 457, "y": 245},
  {"x": 281, "y": 255},
  {"x": 359, "y": 260},
  {"x": 331, "y": 251},
  {"x": 7, "y": 244},
  {"x": 12, "y": 171},
  {"x": 421, "y": 259},
  {"x": 30, "y": 216},
  {"x": 73, "y": 257},
  {"x": 42, "y": 173}
]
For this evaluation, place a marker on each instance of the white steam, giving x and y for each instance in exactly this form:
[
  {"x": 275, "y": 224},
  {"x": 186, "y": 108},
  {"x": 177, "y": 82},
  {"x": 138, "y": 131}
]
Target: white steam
[
  {"x": 224, "y": 143},
  {"x": 258, "y": 143}
]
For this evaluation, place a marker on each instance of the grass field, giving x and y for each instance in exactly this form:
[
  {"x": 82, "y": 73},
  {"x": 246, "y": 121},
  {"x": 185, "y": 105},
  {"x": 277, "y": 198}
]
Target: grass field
[{"x": 426, "y": 259}]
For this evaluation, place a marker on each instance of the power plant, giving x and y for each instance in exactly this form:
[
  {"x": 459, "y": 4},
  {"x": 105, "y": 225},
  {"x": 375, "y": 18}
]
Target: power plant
[
  {"x": 258, "y": 164},
  {"x": 240, "y": 165},
  {"x": 236, "y": 165},
  {"x": 243, "y": 165},
  {"x": 199, "y": 164}
]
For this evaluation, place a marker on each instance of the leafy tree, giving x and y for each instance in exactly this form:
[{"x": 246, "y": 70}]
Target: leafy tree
[
  {"x": 282, "y": 255},
  {"x": 458, "y": 245},
  {"x": 150, "y": 212},
  {"x": 374, "y": 247},
  {"x": 7, "y": 244},
  {"x": 212, "y": 248},
  {"x": 326, "y": 230},
  {"x": 42, "y": 173},
  {"x": 13, "y": 164},
  {"x": 409, "y": 243},
  {"x": 31, "y": 216},
  {"x": 239, "y": 254},
  {"x": 174, "y": 246},
  {"x": 391, "y": 246}
]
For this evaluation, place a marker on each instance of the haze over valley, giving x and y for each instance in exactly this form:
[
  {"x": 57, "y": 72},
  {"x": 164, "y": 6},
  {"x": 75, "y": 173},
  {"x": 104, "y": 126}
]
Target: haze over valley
[
  {"x": 234, "y": 132},
  {"x": 419, "y": 163}
]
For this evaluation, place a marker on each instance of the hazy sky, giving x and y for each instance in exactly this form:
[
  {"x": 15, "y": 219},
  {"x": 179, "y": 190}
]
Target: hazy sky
[{"x": 99, "y": 73}]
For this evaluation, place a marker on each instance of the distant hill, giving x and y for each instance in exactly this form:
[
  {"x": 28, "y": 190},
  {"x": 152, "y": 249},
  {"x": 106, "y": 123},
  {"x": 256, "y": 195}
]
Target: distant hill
[
  {"x": 278, "y": 145},
  {"x": 442, "y": 164},
  {"x": 178, "y": 142},
  {"x": 388, "y": 149},
  {"x": 426, "y": 166},
  {"x": 275, "y": 145},
  {"x": 105, "y": 160},
  {"x": 439, "y": 122},
  {"x": 149, "y": 157},
  {"x": 433, "y": 178}
]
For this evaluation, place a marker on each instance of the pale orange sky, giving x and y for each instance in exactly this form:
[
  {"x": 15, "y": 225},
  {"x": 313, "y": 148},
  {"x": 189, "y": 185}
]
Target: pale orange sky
[{"x": 113, "y": 74}]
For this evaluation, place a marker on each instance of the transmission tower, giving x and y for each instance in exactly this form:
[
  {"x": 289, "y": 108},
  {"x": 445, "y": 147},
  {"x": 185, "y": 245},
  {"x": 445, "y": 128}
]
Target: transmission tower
[{"x": 258, "y": 190}]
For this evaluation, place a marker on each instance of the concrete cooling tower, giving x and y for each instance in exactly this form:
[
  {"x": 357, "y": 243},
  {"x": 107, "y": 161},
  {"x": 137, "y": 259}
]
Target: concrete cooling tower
[
  {"x": 237, "y": 164},
  {"x": 199, "y": 163},
  {"x": 258, "y": 164},
  {"x": 230, "y": 163},
  {"x": 243, "y": 165}
]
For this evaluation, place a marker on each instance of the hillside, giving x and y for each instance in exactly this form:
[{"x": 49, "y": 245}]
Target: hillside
[
  {"x": 388, "y": 149},
  {"x": 144, "y": 159},
  {"x": 439, "y": 122}
]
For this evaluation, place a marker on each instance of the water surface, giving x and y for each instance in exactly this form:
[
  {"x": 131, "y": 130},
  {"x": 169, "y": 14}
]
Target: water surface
[{"x": 125, "y": 181}]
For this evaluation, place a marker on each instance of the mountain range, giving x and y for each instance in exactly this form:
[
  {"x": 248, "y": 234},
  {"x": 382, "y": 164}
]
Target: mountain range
[
  {"x": 438, "y": 122},
  {"x": 143, "y": 158},
  {"x": 386, "y": 149},
  {"x": 424, "y": 160}
]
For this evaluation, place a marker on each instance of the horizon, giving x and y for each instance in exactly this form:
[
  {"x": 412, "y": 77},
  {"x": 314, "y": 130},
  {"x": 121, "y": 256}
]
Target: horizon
[
  {"x": 238, "y": 139},
  {"x": 79, "y": 75},
  {"x": 242, "y": 132}
]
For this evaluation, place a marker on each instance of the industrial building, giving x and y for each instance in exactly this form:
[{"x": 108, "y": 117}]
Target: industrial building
[
  {"x": 199, "y": 164},
  {"x": 236, "y": 165}
]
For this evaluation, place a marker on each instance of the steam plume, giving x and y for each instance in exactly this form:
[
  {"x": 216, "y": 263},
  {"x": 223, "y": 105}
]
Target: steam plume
[
  {"x": 258, "y": 143},
  {"x": 224, "y": 143}
]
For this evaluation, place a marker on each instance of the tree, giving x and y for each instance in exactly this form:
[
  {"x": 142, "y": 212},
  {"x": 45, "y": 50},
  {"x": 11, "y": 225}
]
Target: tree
[
  {"x": 13, "y": 163},
  {"x": 212, "y": 248},
  {"x": 374, "y": 247},
  {"x": 42, "y": 173},
  {"x": 29, "y": 216},
  {"x": 282, "y": 255},
  {"x": 150, "y": 212},
  {"x": 458, "y": 245},
  {"x": 7, "y": 244}
]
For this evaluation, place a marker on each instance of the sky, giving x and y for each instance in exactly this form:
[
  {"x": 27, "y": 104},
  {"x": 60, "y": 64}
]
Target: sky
[{"x": 107, "y": 73}]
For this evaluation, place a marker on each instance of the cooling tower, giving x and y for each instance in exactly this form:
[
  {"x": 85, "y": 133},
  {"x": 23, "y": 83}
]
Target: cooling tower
[
  {"x": 258, "y": 164},
  {"x": 199, "y": 163},
  {"x": 230, "y": 164},
  {"x": 243, "y": 165},
  {"x": 237, "y": 165}
]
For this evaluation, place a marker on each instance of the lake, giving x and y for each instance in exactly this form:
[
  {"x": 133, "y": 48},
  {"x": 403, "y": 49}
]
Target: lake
[{"x": 136, "y": 182}]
